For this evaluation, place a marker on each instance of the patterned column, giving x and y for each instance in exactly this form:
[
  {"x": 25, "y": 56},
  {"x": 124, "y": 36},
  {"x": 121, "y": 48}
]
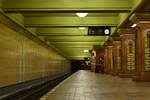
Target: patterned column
[
  {"x": 143, "y": 52},
  {"x": 110, "y": 59},
  {"x": 116, "y": 57},
  {"x": 127, "y": 53},
  {"x": 106, "y": 61}
]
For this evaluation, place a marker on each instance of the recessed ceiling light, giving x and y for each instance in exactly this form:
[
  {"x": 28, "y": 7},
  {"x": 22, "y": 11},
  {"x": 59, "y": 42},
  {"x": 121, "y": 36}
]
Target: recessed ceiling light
[
  {"x": 81, "y": 14},
  {"x": 86, "y": 51},
  {"x": 134, "y": 25},
  {"x": 82, "y": 28}
]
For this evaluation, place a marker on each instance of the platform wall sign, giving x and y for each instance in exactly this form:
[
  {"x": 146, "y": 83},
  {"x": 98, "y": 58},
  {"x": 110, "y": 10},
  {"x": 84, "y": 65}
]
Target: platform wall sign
[
  {"x": 147, "y": 49},
  {"x": 99, "y": 30},
  {"x": 130, "y": 55}
]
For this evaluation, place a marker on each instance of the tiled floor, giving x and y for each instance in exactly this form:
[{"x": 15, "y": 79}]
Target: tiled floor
[{"x": 86, "y": 85}]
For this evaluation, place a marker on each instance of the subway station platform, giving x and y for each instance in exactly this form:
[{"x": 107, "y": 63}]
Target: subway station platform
[
  {"x": 85, "y": 85},
  {"x": 44, "y": 43}
]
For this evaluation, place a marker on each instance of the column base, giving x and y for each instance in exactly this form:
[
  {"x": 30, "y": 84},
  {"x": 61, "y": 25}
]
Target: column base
[
  {"x": 125, "y": 75},
  {"x": 111, "y": 72},
  {"x": 114, "y": 74},
  {"x": 143, "y": 78},
  {"x": 106, "y": 72}
]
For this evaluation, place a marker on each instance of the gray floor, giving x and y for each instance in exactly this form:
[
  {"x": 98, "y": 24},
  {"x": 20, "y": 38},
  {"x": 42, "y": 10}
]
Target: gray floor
[{"x": 86, "y": 85}]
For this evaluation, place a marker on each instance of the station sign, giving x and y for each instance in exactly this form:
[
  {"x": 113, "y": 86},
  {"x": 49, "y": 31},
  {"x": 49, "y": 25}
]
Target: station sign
[{"x": 99, "y": 30}]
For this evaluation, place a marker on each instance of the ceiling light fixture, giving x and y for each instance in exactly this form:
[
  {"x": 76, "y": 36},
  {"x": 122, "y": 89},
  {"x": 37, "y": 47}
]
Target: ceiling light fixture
[
  {"x": 86, "y": 51},
  {"x": 134, "y": 25},
  {"x": 82, "y": 28},
  {"x": 81, "y": 14}
]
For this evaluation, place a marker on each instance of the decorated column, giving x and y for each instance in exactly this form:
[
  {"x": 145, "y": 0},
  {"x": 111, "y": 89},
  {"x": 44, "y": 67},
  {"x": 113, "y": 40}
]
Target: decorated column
[
  {"x": 127, "y": 53},
  {"x": 116, "y": 57},
  {"x": 143, "y": 52},
  {"x": 142, "y": 46},
  {"x": 106, "y": 61},
  {"x": 110, "y": 59}
]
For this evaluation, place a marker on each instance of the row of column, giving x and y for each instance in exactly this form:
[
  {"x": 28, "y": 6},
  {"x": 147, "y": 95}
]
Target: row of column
[{"x": 129, "y": 57}]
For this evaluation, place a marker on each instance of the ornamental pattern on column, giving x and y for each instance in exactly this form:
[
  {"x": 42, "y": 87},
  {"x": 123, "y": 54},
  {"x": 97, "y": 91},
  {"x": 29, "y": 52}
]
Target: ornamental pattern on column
[
  {"x": 127, "y": 52},
  {"x": 143, "y": 52},
  {"x": 116, "y": 57},
  {"x": 106, "y": 60},
  {"x": 110, "y": 59},
  {"x": 142, "y": 46}
]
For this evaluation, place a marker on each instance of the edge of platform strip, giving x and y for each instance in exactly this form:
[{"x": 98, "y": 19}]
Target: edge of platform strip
[{"x": 47, "y": 94}]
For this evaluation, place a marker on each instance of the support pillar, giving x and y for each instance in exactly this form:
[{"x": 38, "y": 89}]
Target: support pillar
[
  {"x": 110, "y": 59},
  {"x": 106, "y": 66},
  {"x": 116, "y": 57},
  {"x": 142, "y": 46},
  {"x": 143, "y": 52},
  {"x": 127, "y": 53}
]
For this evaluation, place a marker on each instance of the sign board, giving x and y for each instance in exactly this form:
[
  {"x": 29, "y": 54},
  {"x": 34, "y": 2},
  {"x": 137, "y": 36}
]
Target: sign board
[{"x": 99, "y": 30}]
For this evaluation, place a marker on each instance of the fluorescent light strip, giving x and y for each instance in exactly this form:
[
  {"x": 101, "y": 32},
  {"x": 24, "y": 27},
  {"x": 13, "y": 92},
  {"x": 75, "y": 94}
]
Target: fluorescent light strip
[
  {"x": 134, "y": 25},
  {"x": 82, "y": 28},
  {"x": 86, "y": 51},
  {"x": 81, "y": 14}
]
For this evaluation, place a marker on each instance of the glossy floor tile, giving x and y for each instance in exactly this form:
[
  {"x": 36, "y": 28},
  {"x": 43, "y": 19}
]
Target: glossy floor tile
[{"x": 86, "y": 85}]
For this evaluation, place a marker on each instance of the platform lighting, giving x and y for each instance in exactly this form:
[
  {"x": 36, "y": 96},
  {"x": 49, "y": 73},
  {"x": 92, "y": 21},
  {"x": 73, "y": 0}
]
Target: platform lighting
[
  {"x": 81, "y": 14},
  {"x": 82, "y": 28},
  {"x": 86, "y": 51},
  {"x": 134, "y": 25}
]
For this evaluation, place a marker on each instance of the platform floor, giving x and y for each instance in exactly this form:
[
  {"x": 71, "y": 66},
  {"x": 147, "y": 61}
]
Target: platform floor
[{"x": 86, "y": 85}]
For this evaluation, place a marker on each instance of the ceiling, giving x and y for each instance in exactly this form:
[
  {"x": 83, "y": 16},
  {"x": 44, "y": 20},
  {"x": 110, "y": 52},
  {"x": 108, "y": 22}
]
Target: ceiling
[{"x": 55, "y": 22}]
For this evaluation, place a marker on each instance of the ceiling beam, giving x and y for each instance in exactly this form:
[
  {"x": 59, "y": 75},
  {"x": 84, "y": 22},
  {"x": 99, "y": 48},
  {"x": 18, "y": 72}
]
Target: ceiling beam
[
  {"x": 66, "y": 5},
  {"x": 70, "y": 21},
  {"x": 76, "y": 43},
  {"x": 137, "y": 5},
  {"x": 61, "y": 31},
  {"x": 75, "y": 51},
  {"x": 74, "y": 46},
  {"x": 77, "y": 57},
  {"x": 74, "y": 31},
  {"x": 76, "y": 38}
]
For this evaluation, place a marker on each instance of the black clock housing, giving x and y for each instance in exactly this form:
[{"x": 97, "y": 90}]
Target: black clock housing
[{"x": 99, "y": 30}]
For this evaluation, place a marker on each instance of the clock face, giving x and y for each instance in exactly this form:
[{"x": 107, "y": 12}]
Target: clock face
[{"x": 106, "y": 31}]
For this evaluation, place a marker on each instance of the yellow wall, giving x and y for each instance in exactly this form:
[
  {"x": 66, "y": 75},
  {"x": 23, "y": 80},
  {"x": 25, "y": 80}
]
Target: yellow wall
[{"x": 22, "y": 59}]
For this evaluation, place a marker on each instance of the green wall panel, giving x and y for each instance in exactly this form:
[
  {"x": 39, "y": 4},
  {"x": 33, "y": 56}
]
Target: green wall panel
[{"x": 22, "y": 59}]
